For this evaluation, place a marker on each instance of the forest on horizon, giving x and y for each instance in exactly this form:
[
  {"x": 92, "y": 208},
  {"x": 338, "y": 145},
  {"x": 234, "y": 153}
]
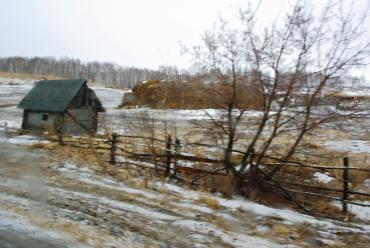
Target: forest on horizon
[{"x": 109, "y": 74}]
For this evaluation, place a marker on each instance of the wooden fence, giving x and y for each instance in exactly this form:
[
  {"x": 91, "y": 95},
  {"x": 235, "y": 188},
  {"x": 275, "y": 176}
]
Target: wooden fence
[
  {"x": 170, "y": 160},
  {"x": 166, "y": 156},
  {"x": 6, "y": 128},
  {"x": 167, "y": 160}
]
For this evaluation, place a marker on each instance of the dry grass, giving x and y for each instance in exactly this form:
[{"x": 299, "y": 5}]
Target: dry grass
[
  {"x": 79, "y": 232},
  {"x": 165, "y": 200},
  {"x": 120, "y": 174},
  {"x": 80, "y": 154},
  {"x": 298, "y": 233},
  {"x": 209, "y": 201},
  {"x": 283, "y": 231},
  {"x": 41, "y": 145}
]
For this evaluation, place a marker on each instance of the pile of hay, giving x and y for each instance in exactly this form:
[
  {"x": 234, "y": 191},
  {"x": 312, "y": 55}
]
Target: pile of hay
[{"x": 160, "y": 94}]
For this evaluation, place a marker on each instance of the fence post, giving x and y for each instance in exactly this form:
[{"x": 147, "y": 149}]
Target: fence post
[
  {"x": 60, "y": 135},
  {"x": 168, "y": 155},
  {"x": 253, "y": 168},
  {"x": 177, "y": 150},
  {"x": 6, "y": 127},
  {"x": 345, "y": 184},
  {"x": 113, "y": 149}
]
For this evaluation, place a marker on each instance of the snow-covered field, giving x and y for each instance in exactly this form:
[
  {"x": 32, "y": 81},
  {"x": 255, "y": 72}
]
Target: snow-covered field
[
  {"x": 47, "y": 200},
  {"x": 115, "y": 118}
]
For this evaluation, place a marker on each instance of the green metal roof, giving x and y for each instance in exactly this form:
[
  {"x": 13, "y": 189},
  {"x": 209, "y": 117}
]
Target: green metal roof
[{"x": 51, "y": 95}]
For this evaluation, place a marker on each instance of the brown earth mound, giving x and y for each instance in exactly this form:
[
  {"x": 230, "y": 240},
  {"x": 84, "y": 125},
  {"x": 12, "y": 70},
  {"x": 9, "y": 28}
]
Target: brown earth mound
[{"x": 189, "y": 95}]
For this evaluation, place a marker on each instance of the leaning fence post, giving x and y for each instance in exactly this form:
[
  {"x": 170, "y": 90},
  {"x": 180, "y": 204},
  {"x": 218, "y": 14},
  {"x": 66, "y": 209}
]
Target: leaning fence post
[
  {"x": 345, "y": 184},
  {"x": 177, "y": 150},
  {"x": 113, "y": 149},
  {"x": 168, "y": 155}
]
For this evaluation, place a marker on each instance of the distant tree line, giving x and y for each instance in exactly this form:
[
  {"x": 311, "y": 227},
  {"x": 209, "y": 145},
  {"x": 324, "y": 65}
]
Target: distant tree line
[{"x": 109, "y": 74}]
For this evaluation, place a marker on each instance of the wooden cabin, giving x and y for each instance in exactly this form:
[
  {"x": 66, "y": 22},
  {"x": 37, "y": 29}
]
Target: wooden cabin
[{"x": 67, "y": 106}]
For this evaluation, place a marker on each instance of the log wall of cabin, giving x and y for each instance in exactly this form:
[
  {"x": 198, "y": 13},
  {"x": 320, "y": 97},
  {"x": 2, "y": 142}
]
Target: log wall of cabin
[
  {"x": 36, "y": 120},
  {"x": 84, "y": 117}
]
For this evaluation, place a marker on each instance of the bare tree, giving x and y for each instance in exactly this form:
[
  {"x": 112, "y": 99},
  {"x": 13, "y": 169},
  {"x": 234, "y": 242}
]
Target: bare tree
[{"x": 290, "y": 65}]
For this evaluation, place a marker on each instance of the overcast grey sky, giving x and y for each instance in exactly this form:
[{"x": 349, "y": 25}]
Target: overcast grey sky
[{"x": 140, "y": 33}]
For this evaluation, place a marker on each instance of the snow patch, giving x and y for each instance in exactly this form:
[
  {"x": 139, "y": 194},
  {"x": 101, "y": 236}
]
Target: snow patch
[
  {"x": 360, "y": 212},
  {"x": 192, "y": 206},
  {"x": 10, "y": 222},
  {"x": 181, "y": 191},
  {"x": 85, "y": 175},
  {"x": 26, "y": 140},
  {"x": 367, "y": 183},
  {"x": 290, "y": 216},
  {"x": 354, "y": 146},
  {"x": 322, "y": 177},
  {"x": 121, "y": 205},
  {"x": 236, "y": 240}
]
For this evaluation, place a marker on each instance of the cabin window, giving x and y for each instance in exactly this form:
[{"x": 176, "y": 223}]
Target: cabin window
[{"x": 45, "y": 117}]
